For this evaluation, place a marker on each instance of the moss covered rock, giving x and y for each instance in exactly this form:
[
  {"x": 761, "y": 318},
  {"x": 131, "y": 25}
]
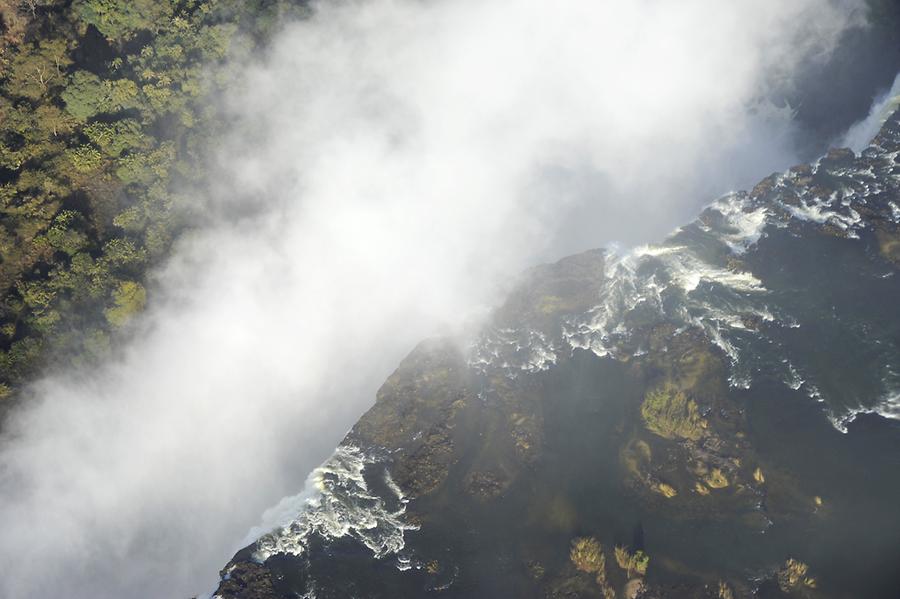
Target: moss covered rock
[{"x": 669, "y": 413}]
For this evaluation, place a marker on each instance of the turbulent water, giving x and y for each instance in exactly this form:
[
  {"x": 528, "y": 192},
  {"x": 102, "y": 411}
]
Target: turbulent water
[
  {"x": 794, "y": 282},
  {"x": 706, "y": 275},
  {"x": 342, "y": 504}
]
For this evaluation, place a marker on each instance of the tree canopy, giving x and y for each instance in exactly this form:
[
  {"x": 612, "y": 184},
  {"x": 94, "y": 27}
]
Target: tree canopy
[{"x": 103, "y": 113}]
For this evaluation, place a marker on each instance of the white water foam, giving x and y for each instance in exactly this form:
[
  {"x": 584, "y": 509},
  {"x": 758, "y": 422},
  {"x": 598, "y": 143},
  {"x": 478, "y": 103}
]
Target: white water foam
[
  {"x": 340, "y": 505},
  {"x": 671, "y": 282},
  {"x": 747, "y": 225}
]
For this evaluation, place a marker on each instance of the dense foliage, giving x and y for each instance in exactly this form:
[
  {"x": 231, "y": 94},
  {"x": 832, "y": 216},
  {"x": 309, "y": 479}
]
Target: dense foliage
[{"x": 104, "y": 116}]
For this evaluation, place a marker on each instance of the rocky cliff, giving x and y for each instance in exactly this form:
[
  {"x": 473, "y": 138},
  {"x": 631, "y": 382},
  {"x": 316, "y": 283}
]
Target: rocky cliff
[{"x": 712, "y": 416}]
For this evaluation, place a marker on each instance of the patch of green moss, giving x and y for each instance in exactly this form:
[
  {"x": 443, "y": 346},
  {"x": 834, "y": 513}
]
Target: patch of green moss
[
  {"x": 793, "y": 576},
  {"x": 669, "y": 413},
  {"x": 587, "y": 555},
  {"x": 667, "y": 491},
  {"x": 725, "y": 591},
  {"x": 632, "y": 563},
  {"x": 716, "y": 479},
  {"x": 433, "y": 567},
  {"x": 758, "y": 476},
  {"x": 550, "y": 304}
]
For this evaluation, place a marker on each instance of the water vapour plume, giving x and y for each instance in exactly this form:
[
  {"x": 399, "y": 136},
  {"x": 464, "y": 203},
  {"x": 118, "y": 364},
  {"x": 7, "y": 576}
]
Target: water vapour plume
[
  {"x": 860, "y": 134},
  {"x": 391, "y": 161}
]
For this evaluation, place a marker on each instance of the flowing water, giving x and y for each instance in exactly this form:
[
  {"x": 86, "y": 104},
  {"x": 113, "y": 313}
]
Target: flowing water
[{"x": 794, "y": 286}]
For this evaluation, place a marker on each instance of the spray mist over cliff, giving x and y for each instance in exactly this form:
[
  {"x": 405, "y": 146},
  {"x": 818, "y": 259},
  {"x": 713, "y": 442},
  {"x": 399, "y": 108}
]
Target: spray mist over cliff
[{"x": 391, "y": 163}]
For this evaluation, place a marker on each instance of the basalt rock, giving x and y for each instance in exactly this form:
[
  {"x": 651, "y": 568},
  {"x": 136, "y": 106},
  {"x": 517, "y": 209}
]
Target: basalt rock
[{"x": 689, "y": 401}]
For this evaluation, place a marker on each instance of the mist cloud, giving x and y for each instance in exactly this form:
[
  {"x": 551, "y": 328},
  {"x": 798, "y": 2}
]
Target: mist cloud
[
  {"x": 391, "y": 164},
  {"x": 861, "y": 133}
]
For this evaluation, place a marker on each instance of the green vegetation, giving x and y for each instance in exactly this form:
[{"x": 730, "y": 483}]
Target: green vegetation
[
  {"x": 758, "y": 476},
  {"x": 129, "y": 298},
  {"x": 670, "y": 414},
  {"x": 105, "y": 114},
  {"x": 716, "y": 479},
  {"x": 587, "y": 555},
  {"x": 632, "y": 563},
  {"x": 667, "y": 491},
  {"x": 793, "y": 576},
  {"x": 551, "y": 304},
  {"x": 725, "y": 591}
]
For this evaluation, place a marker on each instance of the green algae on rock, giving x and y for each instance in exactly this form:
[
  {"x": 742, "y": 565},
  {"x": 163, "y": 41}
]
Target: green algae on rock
[
  {"x": 587, "y": 555},
  {"x": 632, "y": 563},
  {"x": 793, "y": 576},
  {"x": 670, "y": 414}
]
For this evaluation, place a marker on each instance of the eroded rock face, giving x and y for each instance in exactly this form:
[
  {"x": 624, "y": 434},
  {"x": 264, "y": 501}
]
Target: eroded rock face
[
  {"x": 247, "y": 580},
  {"x": 415, "y": 413},
  {"x": 680, "y": 406}
]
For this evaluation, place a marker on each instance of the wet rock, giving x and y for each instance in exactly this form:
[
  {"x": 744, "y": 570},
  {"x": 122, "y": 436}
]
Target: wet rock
[
  {"x": 414, "y": 415},
  {"x": 486, "y": 485},
  {"x": 490, "y": 442},
  {"x": 247, "y": 580},
  {"x": 889, "y": 243}
]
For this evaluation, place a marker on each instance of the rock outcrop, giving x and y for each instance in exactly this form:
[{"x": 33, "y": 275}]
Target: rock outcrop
[{"x": 683, "y": 403}]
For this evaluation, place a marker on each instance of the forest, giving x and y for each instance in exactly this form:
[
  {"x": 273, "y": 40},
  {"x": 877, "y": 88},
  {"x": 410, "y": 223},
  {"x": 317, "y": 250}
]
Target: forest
[{"x": 105, "y": 122}]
